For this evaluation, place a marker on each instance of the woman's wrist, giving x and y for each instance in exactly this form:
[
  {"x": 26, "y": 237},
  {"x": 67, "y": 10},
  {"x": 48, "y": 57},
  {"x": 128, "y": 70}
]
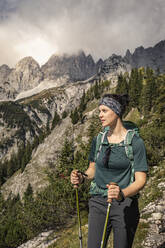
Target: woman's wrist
[
  {"x": 121, "y": 196},
  {"x": 82, "y": 176},
  {"x": 82, "y": 179}
]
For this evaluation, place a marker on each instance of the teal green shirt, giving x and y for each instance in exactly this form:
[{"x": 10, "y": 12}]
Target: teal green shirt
[{"x": 119, "y": 166}]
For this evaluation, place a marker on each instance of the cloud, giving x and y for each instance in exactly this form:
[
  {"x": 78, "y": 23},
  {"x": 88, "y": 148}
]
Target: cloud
[{"x": 41, "y": 28}]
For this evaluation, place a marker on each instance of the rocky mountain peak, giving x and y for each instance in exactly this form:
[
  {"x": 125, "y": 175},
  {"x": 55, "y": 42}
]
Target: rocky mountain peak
[
  {"x": 128, "y": 54},
  {"x": 110, "y": 68},
  {"x": 80, "y": 54},
  {"x": 77, "y": 67},
  {"x": 139, "y": 50},
  {"x": 113, "y": 63},
  {"x": 26, "y": 75},
  {"x": 4, "y": 67},
  {"x": 153, "y": 57},
  {"x": 90, "y": 59},
  {"x": 27, "y": 63},
  {"x": 160, "y": 45}
]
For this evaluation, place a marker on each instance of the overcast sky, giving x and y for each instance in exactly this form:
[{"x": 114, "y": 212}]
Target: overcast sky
[{"x": 40, "y": 28}]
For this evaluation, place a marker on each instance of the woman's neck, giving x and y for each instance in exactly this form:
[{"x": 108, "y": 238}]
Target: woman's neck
[{"x": 117, "y": 132}]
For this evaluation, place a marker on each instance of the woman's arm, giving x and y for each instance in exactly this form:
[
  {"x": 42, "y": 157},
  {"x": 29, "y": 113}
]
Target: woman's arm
[
  {"x": 77, "y": 177},
  {"x": 91, "y": 171},
  {"x": 137, "y": 185},
  {"x": 131, "y": 190}
]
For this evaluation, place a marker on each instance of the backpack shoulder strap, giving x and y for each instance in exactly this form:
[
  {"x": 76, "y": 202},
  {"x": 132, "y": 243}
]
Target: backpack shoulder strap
[
  {"x": 99, "y": 141},
  {"x": 129, "y": 151}
]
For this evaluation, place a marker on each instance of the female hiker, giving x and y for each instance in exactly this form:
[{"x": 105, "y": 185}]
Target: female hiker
[{"x": 113, "y": 163}]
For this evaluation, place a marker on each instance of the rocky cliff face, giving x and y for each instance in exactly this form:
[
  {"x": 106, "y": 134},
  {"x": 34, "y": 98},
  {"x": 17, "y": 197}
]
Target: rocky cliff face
[
  {"x": 6, "y": 90},
  {"x": 112, "y": 67},
  {"x": 26, "y": 75},
  {"x": 73, "y": 68},
  {"x": 153, "y": 57},
  {"x": 4, "y": 72}
]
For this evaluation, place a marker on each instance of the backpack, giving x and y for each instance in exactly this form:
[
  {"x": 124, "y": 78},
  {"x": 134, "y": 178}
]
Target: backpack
[{"x": 132, "y": 130}]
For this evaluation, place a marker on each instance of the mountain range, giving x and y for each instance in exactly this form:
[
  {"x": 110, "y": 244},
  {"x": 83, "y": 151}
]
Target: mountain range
[{"x": 28, "y": 78}]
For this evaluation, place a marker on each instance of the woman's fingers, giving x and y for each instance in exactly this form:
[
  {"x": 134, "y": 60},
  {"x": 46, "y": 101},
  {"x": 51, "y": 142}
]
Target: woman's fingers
[
  {"x": 113, "y": 192},
  {"x": 75, "y": 177}
]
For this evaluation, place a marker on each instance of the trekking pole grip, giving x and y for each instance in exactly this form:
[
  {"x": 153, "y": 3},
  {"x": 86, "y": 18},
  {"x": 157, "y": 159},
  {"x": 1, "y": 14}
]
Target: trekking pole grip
[{"x": 111, "y": 183}]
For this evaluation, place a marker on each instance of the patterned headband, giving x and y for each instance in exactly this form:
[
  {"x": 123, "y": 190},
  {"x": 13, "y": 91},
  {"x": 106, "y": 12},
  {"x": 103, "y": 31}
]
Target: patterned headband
[{"x": 112, "y": 104}]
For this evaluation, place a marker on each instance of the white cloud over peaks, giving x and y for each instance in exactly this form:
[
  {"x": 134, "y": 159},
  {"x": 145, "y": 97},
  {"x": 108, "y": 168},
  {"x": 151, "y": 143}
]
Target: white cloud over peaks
[{"x": 40, "y": 28}]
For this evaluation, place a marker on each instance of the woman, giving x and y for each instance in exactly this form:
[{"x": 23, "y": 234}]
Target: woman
[{"x": 112, "y": 165}]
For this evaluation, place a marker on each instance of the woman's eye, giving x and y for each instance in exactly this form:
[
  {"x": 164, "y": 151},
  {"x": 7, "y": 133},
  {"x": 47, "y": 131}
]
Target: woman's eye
[{"x": 102, "y": 111}]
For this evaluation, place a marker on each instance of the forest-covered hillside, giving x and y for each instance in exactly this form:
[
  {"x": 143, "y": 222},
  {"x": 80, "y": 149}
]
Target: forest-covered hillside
[{"x": 54, "y": 207}]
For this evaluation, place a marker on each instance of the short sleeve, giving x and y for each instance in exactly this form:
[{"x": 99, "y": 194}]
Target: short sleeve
[
  {"x": 140, "y": 158},
  {"x": 91, "y": 157}
]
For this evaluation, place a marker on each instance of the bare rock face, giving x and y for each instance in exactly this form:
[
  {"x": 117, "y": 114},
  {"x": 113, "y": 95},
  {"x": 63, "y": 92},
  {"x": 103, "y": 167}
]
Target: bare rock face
[
  {"x": 4, "y": 72},
  {"x": 6, "y": 90},
  {"x": 153, "y": 57},
  {"x": 112, "y": 67},
  {"x": 26, "y": 75},
  {"x": 74, "y": 68},
  {"x": 156, "y": 210}
]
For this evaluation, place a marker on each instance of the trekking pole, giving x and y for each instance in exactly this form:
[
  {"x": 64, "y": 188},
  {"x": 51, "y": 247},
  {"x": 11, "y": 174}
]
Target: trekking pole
[
  {"x": 78, "y": 210},
  {"x": 106, "y": 221},
  {"x": 79, "y": 220}
]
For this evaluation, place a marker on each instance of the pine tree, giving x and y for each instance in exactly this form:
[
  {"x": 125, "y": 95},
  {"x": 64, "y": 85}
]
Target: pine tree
[
  {"x": 3, "y": 173},
  {"x": 56, "y": 120},
  {"x": 135, "y": 87},
  {"x": 15, "y": 233},
  {"x": 28, "y": 194},
  {"x": 23, "y": 164},
  {"x": 35, "y": 142},
  {"x": 74, "y": 116},
  {"x": 28, "y": 152},
  {"x": 10, "y": 169},
  {"x": 48, "y": 126},
  {"x": 64, "y": 115},
  {"x": 66, "y": 158},
  {"x": 149, "y": 92},
  {"x": 122, "y": 86},
  {"x": 96, "y": 90}
]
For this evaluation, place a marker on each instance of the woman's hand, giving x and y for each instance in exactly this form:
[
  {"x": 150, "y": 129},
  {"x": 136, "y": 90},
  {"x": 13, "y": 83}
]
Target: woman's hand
[
  {"x": 114, "y": 192},
  {"x": 76, "y": 178}
]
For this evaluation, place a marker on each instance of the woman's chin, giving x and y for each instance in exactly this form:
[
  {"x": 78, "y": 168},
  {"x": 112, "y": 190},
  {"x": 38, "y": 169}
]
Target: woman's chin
[{"x": 104, "y": 125}]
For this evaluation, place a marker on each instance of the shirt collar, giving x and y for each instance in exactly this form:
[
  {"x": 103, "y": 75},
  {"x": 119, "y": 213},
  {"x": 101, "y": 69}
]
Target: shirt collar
[{"x": 106, "y": 142}]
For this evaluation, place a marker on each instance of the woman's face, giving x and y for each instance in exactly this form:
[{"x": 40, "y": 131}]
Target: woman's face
[{"x": 107, "y": 116}]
